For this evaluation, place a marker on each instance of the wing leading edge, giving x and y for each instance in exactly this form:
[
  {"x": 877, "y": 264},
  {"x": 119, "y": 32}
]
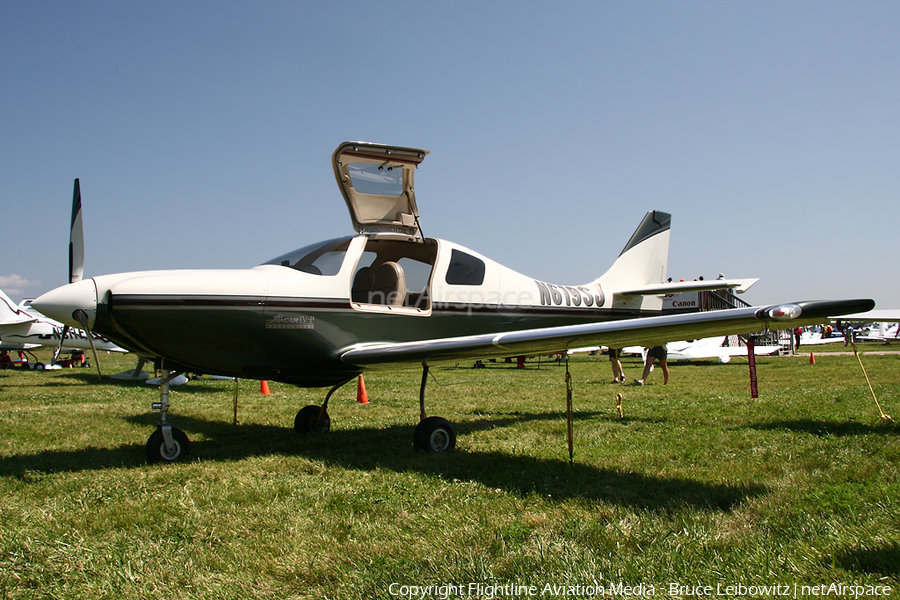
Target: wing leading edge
[{"x": 649, "y": 331}]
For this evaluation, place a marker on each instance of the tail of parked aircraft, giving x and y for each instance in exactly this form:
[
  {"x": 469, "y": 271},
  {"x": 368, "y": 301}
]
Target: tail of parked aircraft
[
  {"x": 637, "y": 280},
  {"x": 10, "y": 313},
  {"x": 644, "y": 259}
]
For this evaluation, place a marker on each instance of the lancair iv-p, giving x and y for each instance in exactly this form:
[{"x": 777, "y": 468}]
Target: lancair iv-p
[{"x": 389, "y": 297}]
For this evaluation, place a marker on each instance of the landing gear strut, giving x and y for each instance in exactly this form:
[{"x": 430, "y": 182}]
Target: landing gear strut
[
  {"x": 315, "y": 418},
  {"x": 432, "y": 434},
  {"x": 167, "y": 443}
]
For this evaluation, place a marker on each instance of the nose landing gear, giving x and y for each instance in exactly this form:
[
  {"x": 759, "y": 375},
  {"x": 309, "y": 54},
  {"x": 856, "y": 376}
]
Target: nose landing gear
[{"x": 167, "y": 444}]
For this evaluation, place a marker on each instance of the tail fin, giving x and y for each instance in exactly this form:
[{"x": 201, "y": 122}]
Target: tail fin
[
  {"x": 643, "y": 261},
  {"x": 10, "y": 313}
]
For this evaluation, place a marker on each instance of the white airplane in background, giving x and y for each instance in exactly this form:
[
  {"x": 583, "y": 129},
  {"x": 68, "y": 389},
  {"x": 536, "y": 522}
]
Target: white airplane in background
[
  {"x": 709, "y": 348},
  {"x": 10, "y": 316},
  {"x": 814, "y": 338},
  {"x": 389, "y": 297},
  {"x": 704, "y": 349},
  {"x": 878, "y": 329},
  {"x": 13, "y": 315},
  {"x": 881, "y": 332},
  {"x": 23, "y": 327},
  {"x": 695, "y": 350}
]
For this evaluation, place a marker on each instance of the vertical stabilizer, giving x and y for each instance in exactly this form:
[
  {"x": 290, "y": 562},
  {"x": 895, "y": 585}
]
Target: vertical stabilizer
[
  {"x": 643, "y": 261},
  {"x": 10, "y": 313}
]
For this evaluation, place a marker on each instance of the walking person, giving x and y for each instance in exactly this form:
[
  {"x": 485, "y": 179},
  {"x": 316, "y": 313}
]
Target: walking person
[
  {"x": 848, "y": 335},
  {"x": 656, "y": 353},
  {"x": 618, "y": 371}
]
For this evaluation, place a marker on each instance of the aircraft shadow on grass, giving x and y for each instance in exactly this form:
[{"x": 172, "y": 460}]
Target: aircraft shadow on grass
[
  {"x": 828, "y": 428},
  {"x": 879, "y": 560},
  {"x": 353, "y": 449},
  {"x": 201, "y": 386}
]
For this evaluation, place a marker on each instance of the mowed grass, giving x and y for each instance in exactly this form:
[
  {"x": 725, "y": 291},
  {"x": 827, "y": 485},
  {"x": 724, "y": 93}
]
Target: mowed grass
[{"x": 697, "y": 484}]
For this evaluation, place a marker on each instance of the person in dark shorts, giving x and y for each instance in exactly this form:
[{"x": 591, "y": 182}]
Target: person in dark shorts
[
  {"x": 618, "y": 372},
  {"x": 656, "y": 353}
]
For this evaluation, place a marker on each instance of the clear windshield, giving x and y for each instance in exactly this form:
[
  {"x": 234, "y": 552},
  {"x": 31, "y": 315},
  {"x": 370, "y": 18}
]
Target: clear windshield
[{"x": 322, "y": 258}]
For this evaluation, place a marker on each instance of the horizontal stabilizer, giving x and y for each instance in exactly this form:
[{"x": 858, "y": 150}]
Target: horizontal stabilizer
[{"x": 737, "y": 285}]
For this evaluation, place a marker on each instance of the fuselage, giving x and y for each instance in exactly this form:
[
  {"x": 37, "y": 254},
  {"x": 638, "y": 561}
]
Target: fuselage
[{"x": 290, "y": 319}]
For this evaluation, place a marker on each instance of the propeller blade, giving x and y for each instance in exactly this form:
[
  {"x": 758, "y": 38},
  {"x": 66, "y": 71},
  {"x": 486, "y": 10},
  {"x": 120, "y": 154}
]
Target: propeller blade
[
  {"x": 62, "y": 339},
  {"x": 82, "y": 318},
  {"x": 76, "y": 238}
]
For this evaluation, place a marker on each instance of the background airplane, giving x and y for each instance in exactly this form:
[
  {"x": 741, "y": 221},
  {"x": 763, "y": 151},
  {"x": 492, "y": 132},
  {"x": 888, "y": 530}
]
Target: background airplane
[
  {"x": 705, "y": 349},
  {"x": 11, "y": 315},
  {"x": 390, "y": 297},
  {"x": 23, "y": 327},
  {"x": 879, "y": 328},
  {"x": 880, "y": 332},
  {"x": 815, "y": 338}
]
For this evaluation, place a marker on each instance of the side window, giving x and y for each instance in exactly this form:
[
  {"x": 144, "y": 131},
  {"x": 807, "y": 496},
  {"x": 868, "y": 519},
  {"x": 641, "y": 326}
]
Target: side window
[{"x": 465, "y": 269}]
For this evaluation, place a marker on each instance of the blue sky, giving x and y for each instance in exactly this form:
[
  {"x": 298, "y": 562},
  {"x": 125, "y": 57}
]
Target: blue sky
[{"x": 202, "y": 133}]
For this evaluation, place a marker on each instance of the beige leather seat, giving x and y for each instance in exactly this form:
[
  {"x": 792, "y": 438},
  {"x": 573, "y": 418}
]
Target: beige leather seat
[{"x": 390, "y": 285}]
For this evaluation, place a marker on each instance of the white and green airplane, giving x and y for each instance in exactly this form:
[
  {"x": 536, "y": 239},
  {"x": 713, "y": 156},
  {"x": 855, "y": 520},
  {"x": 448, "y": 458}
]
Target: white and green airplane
[{"x": 390, "y": 297}]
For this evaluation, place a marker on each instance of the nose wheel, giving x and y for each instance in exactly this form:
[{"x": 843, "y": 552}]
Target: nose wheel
[
  {"x": 167, "y": 444},
  {"x": 159, "y": 449}
]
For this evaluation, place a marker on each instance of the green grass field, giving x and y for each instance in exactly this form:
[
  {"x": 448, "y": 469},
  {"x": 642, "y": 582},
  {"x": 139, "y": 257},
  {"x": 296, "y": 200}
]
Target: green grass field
[{"x": 697, "y": 485}]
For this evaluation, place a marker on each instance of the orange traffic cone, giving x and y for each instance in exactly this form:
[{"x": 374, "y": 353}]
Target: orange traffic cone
[
  {"x": 264, "y": 388},
  {"x": 361, "y": 396},
  {"x": 812, "y": 359}
]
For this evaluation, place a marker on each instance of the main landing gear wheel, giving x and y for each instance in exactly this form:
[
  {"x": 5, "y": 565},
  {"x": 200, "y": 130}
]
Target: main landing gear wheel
[
  {"x": 307, "y": 420},
  {"x": 434, "y": 434},
  {"x": 157, "y": 451}
]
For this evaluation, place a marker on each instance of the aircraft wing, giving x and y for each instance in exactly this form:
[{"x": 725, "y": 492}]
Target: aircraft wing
[
  {"x": 649, "y": 331},
  {"x": 881, "y": 315}
]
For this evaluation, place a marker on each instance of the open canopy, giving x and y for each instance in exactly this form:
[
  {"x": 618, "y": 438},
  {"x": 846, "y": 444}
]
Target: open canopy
[{"x": 377, "y": 182}]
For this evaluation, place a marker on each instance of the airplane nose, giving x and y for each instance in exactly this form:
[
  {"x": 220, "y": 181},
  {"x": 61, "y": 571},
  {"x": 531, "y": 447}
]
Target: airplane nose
[{"x": 64, "y": 302}]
